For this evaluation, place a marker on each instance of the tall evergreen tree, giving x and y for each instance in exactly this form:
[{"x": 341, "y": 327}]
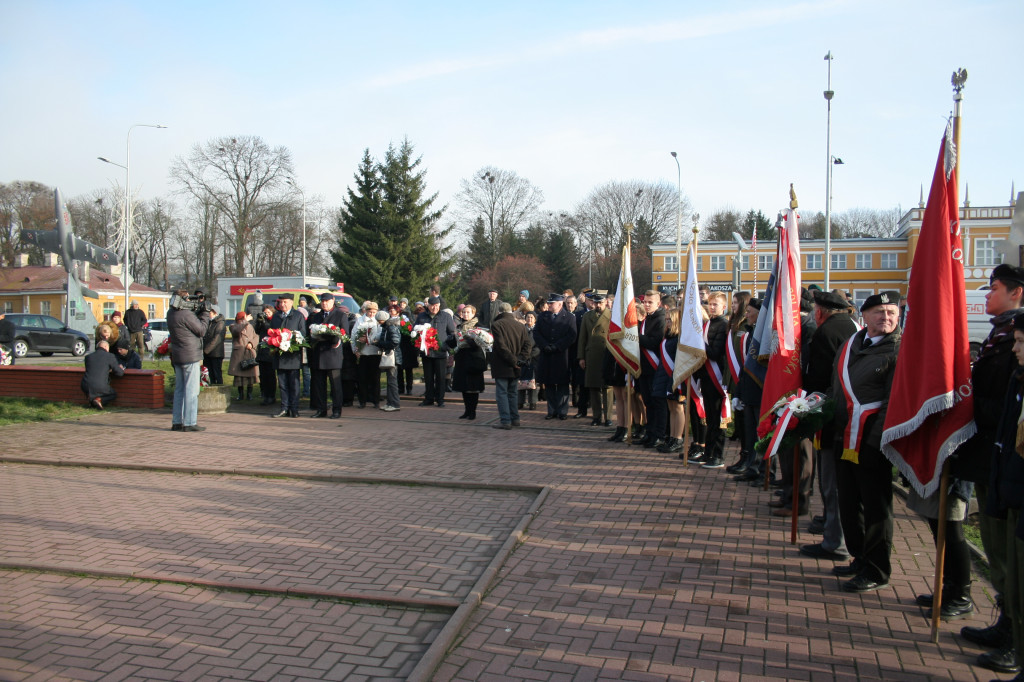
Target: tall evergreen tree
[
  {"x": 561, "y": 258},
  {"x": 391, "y": 242}
]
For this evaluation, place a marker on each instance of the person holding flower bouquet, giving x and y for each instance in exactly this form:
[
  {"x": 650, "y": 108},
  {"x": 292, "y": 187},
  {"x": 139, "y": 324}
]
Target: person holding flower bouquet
[
  {"x": 410, "y": 358},
  {"x": 434, "y": 353},
  {"x": 391, "y": 355},
  {"x": 365, "y": 334},
  {"x": 288, "y": 364},
  {"x": 328, "y": 332},
  {"x": 264, "y": 356},
  {"x": 470, "y": 361}
]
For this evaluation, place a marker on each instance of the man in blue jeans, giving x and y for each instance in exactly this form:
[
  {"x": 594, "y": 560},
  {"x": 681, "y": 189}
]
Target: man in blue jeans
[
  {"x": 512, "y": 347},
  {"x": 186, "y": 327}
]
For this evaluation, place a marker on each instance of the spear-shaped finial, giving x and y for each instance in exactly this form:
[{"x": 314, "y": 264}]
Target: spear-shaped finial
[
  {"x": 792, "y": 197},
  {"x": 920, "y": 202}
]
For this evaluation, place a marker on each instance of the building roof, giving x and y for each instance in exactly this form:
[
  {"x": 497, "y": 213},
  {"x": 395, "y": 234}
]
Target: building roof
[{"x": 40, "y": 278}]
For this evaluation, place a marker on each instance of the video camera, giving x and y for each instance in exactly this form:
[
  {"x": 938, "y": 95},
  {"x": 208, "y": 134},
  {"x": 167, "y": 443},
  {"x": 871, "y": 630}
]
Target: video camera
[{"x": 198, "y": 306}]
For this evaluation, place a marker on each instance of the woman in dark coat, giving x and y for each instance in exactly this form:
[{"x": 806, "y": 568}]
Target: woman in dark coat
[
  {"x": 243, "y": 347},
  {"x": 267, "y": 375},
  {"x": 470, "y": 364}
]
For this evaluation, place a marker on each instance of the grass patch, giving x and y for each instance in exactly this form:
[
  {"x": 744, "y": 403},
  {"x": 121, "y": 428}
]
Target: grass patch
[{"x": 19, "y": 410}]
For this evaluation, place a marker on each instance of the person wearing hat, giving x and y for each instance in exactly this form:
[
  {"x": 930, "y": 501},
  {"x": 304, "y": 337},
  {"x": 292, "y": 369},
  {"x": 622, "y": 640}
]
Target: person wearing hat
[
  {"x": 213, "y": 347},
  {"x": 135, "y": 320},
  {"x": 990, "y": 378},
  {"x": 264, "y": 356},
  {"x": 523, "y": 304},
  {"x": 590, "y": 351},
  {"x": 489, "y": 310},
  {"x": 435, "y": 361},
  {"x": 326, "y": 358},
  {"x": 554, "y": 334},
  {"x": 835, "y": 327},
  {"x": 185, "y": 331},
  {"x": 243, "y": 347},
  {"x": 861, "y": 384},
  {"x": 1005, "y": 493},
  {"x": 288, "y": 365},
  {"x": 122, "y": 345}
]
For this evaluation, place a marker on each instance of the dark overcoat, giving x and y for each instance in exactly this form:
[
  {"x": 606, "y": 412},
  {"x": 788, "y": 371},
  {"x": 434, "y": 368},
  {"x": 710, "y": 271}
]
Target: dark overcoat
[
  {"x": 324, "y": 355},
  {"x": 297, "y": 323},
  {"x": 555, "y": 335}
]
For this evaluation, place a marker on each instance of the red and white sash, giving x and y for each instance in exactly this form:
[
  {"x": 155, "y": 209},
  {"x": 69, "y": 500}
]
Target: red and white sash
[
  {"x": 715, "y": 372},
  {"x": 668, "y": 357},
  {"x": 736, "y": 363},
  {"x": 857, "y": 413},
  {"x": 697, "y": 397}
]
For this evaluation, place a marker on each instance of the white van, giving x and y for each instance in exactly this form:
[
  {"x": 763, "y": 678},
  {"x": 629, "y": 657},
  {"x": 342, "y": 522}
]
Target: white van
[{"x": 978, "y": 323}]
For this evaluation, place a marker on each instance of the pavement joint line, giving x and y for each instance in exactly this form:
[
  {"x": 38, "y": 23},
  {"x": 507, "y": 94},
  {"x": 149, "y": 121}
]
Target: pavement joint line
[
  {"x": 277, "y": 473},
  {"x": 436, "y": 604},
  {"x": 446, "y": 639}
]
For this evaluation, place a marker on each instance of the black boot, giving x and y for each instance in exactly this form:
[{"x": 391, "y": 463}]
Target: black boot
[
  {"x": 995, "y": 636},
  {"x": 240, "y": 392},
  {"x": 248, "y": 392},
  {"x": 620, "y": 435}
]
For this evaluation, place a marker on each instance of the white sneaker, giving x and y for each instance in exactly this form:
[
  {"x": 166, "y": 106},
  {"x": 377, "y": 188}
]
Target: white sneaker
[{"x": 390, "y": 408}]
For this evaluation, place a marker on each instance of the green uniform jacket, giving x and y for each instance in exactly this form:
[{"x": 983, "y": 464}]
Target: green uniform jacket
[{"x": 593, "y": 331}]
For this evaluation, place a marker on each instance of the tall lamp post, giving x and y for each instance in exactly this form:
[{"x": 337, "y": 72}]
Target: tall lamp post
[
  {"x": 291, "y": 181},
  {"x": 828, "y": 172},
  {"x": 679, "y": 225},
  {"x": 129, "y": 217}
]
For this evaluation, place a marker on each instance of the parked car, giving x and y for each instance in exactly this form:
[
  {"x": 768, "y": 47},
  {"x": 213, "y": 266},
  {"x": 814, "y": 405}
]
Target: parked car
[
  {"x": 46, "y": 335},
  {"x": 157, "y": 333}
]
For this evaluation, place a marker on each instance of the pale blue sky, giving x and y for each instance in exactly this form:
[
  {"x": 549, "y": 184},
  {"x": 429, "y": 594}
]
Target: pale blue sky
[{"x": 567, "y": 94}]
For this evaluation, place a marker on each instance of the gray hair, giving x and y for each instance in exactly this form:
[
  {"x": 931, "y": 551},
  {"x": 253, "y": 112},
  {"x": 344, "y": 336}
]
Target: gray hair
[{"x": 505, "y": 307}]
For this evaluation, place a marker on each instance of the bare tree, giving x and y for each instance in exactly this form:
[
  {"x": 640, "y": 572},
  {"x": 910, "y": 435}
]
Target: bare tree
[
  {"x": 504, "y": 202},
  {"x": 650, "y": 207},
  {"x": 23, "y": 205},
  {"x": 151, "y": 242},
  {"x": 867, "y": 222},
  {"x": 243, "y": 178}
]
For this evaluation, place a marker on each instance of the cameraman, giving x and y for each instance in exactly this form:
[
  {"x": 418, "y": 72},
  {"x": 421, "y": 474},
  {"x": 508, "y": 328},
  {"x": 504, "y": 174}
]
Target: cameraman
[{"x": 187, "y": 322}]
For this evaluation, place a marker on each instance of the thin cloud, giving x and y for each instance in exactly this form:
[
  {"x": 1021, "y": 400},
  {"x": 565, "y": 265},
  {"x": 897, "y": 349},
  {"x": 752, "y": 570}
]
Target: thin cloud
[{"x": 700, "y": 27}]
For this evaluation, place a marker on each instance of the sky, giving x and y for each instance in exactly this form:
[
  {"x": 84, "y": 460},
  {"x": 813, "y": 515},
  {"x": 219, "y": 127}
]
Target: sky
[{"x": 569, "y": 95}]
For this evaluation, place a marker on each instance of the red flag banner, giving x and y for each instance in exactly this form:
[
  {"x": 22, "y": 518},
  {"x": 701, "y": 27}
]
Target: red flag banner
[
  {"x": 931, "y": 408},
  {"x": 784, "y": 375},
  {"x": 623, "y": 339}
]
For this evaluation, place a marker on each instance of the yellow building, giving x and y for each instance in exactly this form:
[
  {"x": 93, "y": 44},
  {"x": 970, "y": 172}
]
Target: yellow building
[
  {"x": 861, "y": 266},
  {"x": 41, "y": 289}
]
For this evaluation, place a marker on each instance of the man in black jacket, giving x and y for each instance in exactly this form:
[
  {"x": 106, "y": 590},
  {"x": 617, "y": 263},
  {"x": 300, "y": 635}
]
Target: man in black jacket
[
  {"x": 185, "y": 331},
  {"x": 712, "y": 379},
  {"x": 511, "y": 351},
  {"x": 990, "y": 377},
  {"x": 288, "y": 364},
  {"x": 326, "y": 359},
  {"x": 835, "y": 326},
  {"x": 490, "y": 309},
  {"x": 136, "y": 320},
  {"x": 555, "y": 333},
  {"x": 96, "y": 382},
  {"x": 652, "y": 335},
  {"x": 434, "y": 361}
]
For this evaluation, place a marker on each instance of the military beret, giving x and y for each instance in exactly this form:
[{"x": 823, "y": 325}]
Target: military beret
[
  {"x": 828, "y": 299},
  {"x": 755, "y": 303},
  {"x": 881, "y": 298},
  {"x": 1007, "y": 272}
]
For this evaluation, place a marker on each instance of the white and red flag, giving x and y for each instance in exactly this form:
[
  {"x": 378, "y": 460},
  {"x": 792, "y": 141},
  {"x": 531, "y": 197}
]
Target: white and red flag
[
  {"x": 623, "y": 340},
  {"x": 931, "y": 409},
  {"x": 784, "y": 375},
  {"x": 691, "y": 350}
]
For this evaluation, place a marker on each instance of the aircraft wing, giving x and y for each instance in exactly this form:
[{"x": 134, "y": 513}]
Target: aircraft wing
[
  {"x": 46, "y": 239},
  {"x": 83, "y": 250}
]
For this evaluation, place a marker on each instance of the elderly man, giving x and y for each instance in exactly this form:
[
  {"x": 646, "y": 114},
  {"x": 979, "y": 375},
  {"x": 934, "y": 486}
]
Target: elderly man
[
  {"x": 135, "y": 320},
  {"x": 861, "y": 384},
  {"x": 288, "y": 365},
  {"x": 490, "y": 309},
  {"x": 512, "y": 348},
  {"x": 326, "y": 358},
  {"x": 96, "y": 382},
  {"x": 434, "y": 361},
  {"x": 554, "y": 334}
]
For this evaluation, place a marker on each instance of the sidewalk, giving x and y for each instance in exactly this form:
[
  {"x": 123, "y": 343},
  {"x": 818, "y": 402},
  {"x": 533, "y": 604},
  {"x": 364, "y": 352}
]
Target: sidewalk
[{"x": 317, "y": 549}]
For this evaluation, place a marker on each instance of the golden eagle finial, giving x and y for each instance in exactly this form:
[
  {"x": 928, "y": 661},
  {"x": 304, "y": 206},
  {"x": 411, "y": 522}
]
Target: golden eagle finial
[{"x": 792, "y": 196}]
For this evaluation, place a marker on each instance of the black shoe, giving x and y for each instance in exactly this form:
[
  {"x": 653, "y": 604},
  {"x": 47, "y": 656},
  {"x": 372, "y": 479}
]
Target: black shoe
[
  {"x": 996, "y": 636},
  {"x": 282, "y": 413},
  {"x": 713, "y": 463},
  {"x": 667, "y": 445},
  {"x": 294, "y": 414},
  {"x": 738, "y": 466},
  {"x": 335, "y": 415},
  {"x": 620, "y": 435},
  {"x": 319, "y": 415},
  {"x": 464, "y": 415},
  {"x": 193, "y": 428},
  {"x": 440, "y": 403},
  {"x": 676, "y": 447},
  {"x": 595, "y": 422},
  {"x": 747, "y": 475},
  {"x": 425, "y": 403},
  {"x": 1002, "y": 661},
  {"x": 816, "y": 527},
  {"x": 861, "y": 584},
  {"x": 176, "y": 427},
  {"x": 515, "y": 422},
  {"x": 697, "y": 456},
  {"x": 609, "y": 422},
  {"x": 549, "y": 417},
  {"x": 656, "y": 443},
  {"x": 506, "y": 427},
  {"x": 580, "y": 415},
  {"x": 816, "y": 551},
  {"x": 639, "y": 433},
  {"x": 951, "y": 609},
  {"x": 562, "y": 417}
]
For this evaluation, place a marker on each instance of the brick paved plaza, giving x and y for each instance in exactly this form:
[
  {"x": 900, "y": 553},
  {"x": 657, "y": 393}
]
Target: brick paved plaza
[{"x": 419, "y": 545}]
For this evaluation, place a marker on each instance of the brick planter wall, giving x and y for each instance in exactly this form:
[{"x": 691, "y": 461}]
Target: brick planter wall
[{"x": 137, "y": 388}]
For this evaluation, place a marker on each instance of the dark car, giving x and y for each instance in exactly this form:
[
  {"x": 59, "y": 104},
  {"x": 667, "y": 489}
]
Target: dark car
[{"x": 46, "y": 335}]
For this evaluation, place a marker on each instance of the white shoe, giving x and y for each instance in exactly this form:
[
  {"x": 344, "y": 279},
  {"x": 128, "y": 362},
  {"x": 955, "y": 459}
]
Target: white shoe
[{"x": 390, "y": 408}]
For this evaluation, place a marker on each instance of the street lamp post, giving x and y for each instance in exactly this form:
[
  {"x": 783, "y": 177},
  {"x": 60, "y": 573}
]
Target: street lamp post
[
  {"x": 128, "y": 211},
  {"x": 828, "y": 172},
  {"x": 679, "y": 224},
  {"x": 291, "y": 181}
]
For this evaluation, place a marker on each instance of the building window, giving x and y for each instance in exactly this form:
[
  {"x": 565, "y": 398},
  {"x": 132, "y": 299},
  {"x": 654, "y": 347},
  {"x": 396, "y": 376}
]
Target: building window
[
  {"x": 889, "y": 261},
  {"x": 985, "y": 252},
  {"x": 764, "y": 262},
  {"x": 861, "y": 295},
  {"x": 152, "y": 311},
  {"x": 44, "y": 307},
  {"x": 108, "y": 309},
  {"x": 698, "y": 260},
  {"x": 814, "y": 261},
  {"x": 718, "y": 262},
  {"x": 72, "y": 309},
  {"x": 863, "y": 261},
  {"x": 8, "y": 306},
  {"x": 838, "y": 261},
  {"x": 670, "y": 264}
]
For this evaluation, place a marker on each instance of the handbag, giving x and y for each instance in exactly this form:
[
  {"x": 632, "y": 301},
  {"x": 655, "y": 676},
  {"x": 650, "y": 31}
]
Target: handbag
[
  {"x": 248, "y": 360},
  {"x": 387, "y": 360}
]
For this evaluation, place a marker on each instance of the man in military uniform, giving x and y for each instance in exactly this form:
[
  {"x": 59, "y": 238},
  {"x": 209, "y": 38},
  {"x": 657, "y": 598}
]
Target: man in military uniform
[
  {"x": 590, "y": 355},
  {"x": 861, "y": 384},
  {"x": 555, "y": 334}
]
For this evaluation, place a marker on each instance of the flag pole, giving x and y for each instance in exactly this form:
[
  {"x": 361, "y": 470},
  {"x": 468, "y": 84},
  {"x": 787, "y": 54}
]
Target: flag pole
[
  {"x": 689, "y": 384},
  {"x": 629, "y": 377},
  {"x": 958, "y": 80}
]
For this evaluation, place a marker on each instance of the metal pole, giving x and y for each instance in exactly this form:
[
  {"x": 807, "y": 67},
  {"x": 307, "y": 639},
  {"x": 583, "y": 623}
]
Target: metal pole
[
  {"x": 828, "y": 174},
  {"x": 679, "y": 225},
  {"x": 128, "y": 211}
]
